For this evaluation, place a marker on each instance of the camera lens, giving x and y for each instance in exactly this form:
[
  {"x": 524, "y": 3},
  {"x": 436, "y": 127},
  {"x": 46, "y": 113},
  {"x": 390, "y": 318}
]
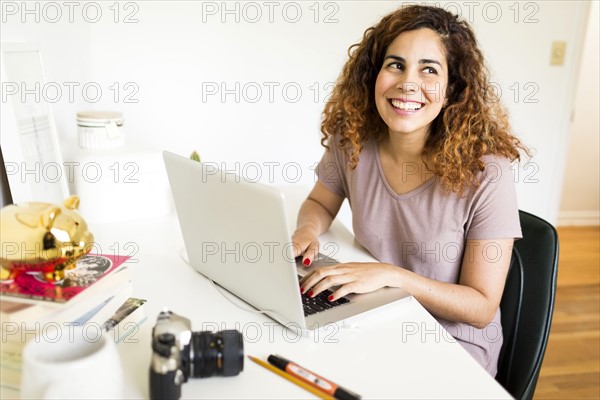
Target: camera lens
[{"x": 220, "y": 353}]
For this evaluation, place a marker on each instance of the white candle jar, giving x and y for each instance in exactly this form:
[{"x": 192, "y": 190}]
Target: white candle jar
[{"x": 100, "y": 130}]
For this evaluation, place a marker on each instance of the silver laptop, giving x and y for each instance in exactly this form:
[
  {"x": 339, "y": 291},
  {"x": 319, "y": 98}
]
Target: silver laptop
[{"x": 236, "y": 233}]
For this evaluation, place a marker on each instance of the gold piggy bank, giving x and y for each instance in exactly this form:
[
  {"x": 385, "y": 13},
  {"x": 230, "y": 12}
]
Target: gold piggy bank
[{"x": 42, "y": 238}]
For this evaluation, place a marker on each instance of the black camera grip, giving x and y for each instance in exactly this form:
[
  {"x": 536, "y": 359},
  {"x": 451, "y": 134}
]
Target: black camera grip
[{"x": 164, "y": 386}]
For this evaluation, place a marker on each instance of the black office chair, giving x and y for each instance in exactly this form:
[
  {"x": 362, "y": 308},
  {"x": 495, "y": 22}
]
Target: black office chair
[
  {"x": 5, "y": 195},
  {"x": 527, "y": 305}
]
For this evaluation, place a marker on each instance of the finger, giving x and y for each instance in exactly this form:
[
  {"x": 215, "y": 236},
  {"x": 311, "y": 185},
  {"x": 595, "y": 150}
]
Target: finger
[
  {"x": 310, "y": 254},
  {"x": 303, "y": 286},
  {"x": 328, "y": 282},
  {"x": 340, "y": 292},
  {"x": 297, "y": 248},
  {"x": 312, "y": 278}
]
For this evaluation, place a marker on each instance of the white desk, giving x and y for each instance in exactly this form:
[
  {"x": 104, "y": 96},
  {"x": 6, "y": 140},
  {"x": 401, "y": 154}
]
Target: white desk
[{"x": 399, "y": 353}]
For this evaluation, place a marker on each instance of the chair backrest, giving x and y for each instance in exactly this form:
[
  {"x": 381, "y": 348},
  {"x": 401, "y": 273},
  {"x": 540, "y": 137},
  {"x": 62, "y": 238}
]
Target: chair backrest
[
  {"x": 5, "y": 195},
  {"x": 527, "y": 305}
]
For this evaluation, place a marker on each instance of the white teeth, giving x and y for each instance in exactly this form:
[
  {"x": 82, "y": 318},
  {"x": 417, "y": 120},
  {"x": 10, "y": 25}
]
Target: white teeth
[{"x": 409, "y": 105}]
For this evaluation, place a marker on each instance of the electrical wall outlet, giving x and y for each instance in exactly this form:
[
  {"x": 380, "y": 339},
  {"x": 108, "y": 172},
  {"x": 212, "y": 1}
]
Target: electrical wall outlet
[{"x": 558, "y": 53}]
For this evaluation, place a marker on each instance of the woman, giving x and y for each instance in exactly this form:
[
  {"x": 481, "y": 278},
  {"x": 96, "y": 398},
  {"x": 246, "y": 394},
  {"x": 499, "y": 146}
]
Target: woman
[{"x": 418, "y": 143}]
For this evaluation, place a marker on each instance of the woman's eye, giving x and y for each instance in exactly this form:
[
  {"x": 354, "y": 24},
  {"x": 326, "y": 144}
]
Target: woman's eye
[
  {"x": 430, "y": 70},
  {"x": 396, "y": 65}
]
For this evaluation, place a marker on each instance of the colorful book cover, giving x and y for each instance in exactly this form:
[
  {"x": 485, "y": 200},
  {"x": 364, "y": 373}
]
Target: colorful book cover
[{"x": 89, "y": 270}]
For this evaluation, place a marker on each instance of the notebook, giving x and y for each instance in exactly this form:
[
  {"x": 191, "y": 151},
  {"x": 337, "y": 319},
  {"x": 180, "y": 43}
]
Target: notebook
[{"x": 236, "y": 233}]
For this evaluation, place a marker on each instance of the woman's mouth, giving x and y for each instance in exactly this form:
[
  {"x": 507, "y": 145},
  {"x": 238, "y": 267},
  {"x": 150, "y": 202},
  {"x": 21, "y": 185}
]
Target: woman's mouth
[{"x": 406, "y": 105}]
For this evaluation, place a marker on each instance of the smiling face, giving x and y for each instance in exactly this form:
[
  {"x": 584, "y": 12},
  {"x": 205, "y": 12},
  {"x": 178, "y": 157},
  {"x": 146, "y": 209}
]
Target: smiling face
[{"x": 411, "y": 86}]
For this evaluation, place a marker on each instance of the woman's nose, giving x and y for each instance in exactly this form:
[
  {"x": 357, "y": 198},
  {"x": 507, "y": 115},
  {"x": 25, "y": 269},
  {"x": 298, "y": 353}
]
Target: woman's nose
[{"x": 407, "y": 83}]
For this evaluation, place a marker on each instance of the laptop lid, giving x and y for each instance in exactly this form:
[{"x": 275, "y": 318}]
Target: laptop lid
[{"x": 236, "y": 234}]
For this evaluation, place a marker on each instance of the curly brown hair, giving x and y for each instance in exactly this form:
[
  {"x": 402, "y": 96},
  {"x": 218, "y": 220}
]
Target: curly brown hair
[{"x": 472, "y": 124}]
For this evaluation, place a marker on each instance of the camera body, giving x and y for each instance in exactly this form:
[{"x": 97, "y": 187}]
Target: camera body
[{"x": 178, "y": 353}]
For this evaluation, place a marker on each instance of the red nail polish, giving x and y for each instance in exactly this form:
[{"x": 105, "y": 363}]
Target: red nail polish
[
  {"x": 310, "y": 293},
  {"x": 306, "y": 262},
  {"x": 330, "y": 298},
  {"x": 301, "y": 290}
]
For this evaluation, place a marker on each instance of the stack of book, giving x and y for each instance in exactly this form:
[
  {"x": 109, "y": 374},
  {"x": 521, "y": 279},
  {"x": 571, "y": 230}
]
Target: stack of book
[{"x": 95, "y": 295}]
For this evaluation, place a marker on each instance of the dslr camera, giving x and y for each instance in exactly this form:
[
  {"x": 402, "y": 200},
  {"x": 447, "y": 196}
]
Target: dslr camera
[{"x": 178, "y": 353}]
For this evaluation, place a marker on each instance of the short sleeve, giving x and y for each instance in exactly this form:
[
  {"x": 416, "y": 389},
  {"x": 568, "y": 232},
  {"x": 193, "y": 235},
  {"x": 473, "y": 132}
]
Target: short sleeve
[
  {"x": 331, "y": 171},
  {"x": 494, "y": 211}
]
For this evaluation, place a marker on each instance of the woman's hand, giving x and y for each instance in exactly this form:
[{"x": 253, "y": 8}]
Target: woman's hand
[
  {"x": 306, "y": 245},
  {"x": 351, "y": 278},
  {"x": 314, "y": 218}
]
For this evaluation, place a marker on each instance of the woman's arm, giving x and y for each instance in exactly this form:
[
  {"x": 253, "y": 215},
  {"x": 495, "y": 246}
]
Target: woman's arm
[
  {"x": 474, "y": 300},
  {"x": 314, "y": 218}
]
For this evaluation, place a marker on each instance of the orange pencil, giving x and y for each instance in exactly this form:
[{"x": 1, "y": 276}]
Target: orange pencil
[{"x": 320, "y": 394}]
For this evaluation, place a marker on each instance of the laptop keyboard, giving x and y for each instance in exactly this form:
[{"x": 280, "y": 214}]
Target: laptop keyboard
[{"x": 313, "y": 305}]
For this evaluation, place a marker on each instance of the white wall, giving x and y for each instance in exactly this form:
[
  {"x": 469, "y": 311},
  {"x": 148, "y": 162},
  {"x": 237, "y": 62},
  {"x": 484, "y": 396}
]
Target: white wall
[
  {"x": 176, "y": 50},
  {"x": 580, "y": 203}
]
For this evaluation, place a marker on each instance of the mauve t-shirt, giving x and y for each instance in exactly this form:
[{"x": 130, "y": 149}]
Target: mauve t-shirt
[{"x": 426, "y": 229}]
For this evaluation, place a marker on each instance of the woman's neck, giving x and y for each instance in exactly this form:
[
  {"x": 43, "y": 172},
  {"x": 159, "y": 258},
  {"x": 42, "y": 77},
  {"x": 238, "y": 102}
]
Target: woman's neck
[{"x": 401, "y": 148}]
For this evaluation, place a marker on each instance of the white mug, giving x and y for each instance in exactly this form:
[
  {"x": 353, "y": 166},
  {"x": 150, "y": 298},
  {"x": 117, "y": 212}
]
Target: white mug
[{"x": 71, "y": 364}]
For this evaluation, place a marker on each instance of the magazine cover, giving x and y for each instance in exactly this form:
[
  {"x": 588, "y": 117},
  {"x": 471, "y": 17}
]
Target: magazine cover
[{"x": 89, "y": 270}]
